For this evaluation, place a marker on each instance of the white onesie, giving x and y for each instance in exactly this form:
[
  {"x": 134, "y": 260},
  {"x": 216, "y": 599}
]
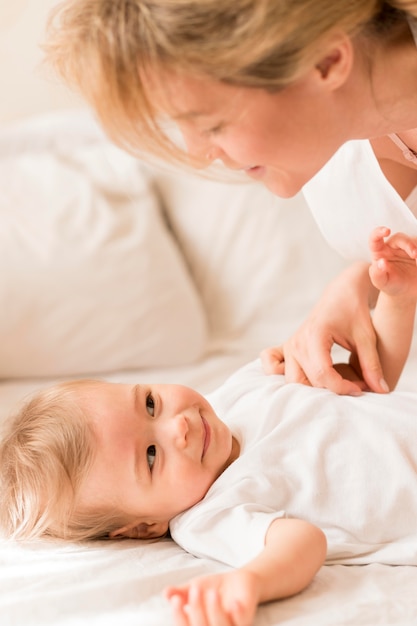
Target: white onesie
[{"x": 348, "y": 465}]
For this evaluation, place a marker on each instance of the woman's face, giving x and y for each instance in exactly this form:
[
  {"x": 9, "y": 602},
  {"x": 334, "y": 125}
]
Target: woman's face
[{"x": 278, "y": 138}]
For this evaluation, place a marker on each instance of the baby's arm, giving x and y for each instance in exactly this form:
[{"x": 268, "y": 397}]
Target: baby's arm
[
  {"x": 394, "y": 272},
  {"x": 294, "y": 551}
]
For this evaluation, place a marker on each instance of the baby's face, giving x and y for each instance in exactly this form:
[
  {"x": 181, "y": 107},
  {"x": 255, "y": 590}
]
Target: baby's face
[{"x": 158, "y": 449}]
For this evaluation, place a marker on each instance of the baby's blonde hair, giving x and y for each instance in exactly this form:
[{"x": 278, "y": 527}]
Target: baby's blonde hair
[
  {"x": 107, "y": 48},
  {"x": 45, "y": 454}
]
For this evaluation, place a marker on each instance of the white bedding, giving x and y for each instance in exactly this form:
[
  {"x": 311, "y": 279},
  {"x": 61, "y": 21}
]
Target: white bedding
[
  {"x": 122, "y": 583},
  {"x": 256, "y": 266}
]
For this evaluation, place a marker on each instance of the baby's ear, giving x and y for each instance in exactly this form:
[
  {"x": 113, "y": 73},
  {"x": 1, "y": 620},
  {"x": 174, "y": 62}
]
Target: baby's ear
[{"x": 141, "y": 530}]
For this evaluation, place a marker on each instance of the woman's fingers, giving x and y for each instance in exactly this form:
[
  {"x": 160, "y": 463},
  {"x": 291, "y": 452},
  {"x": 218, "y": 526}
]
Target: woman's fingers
[
  {"x": 318, "y": 370},
  {"x": 370, "y": 366},
  {"x": 272, "y": 360},
  {"x": 327, "y": 377}
]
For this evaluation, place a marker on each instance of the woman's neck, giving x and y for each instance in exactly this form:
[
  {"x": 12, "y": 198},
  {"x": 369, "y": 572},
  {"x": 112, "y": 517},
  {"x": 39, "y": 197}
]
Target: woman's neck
[{"x": 385, "y": 77}]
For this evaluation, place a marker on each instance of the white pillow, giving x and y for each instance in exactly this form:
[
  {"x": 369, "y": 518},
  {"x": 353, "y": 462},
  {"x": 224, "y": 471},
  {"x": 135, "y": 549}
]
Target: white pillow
[
  {"x": 259, "y": 262},
  {"x": 91, "y": 278}
]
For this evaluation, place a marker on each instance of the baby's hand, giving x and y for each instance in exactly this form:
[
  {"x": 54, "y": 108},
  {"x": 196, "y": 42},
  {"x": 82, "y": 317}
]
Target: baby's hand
[
  {"x": 228, "y": 599},
  {"x": 394, "y": 267}
]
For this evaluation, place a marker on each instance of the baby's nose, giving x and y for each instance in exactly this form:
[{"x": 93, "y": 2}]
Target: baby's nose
[{"x": 180, "y": 431}]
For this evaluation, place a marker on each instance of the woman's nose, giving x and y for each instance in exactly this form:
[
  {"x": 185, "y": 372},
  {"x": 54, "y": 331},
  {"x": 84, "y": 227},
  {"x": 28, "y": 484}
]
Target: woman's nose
[
  {"x": 214, "y": 153},
  {"x": 200, "y": 148}
]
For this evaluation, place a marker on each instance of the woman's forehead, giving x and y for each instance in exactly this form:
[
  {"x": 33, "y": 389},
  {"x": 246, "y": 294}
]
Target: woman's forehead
[{"x": 186, "y": 96}]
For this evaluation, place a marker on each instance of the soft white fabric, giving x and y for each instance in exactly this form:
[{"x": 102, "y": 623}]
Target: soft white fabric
[
  {"x": 259, "y": 261},
  {"x": 411, "y": 201},
  {"x": 350, "y": 196},
  {"x": 122, "y": 582},
  {"x": 348, "y": 465},
  {"x": 92, "y": 280}
]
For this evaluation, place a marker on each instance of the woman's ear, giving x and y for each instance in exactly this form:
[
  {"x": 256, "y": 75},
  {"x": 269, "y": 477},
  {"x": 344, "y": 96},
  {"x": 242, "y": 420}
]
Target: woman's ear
[
  {"x": 141, "y": 530},
  {"x": 335, "y": 65}
]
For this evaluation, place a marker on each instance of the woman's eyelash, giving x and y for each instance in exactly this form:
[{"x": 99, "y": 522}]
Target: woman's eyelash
[
  {"x": 150, "y": 404},
  {"x": 214, "y": 130},
  {"x": 150, "y": 456}
]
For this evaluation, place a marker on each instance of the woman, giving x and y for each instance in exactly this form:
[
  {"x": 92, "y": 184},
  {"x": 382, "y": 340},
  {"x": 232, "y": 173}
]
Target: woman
[{"x": 273, "y": 88}]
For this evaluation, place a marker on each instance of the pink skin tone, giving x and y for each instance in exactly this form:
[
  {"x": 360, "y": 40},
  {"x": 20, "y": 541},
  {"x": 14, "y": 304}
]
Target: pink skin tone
[
  {"x": 230, "y": 599},
  {"x": 269, "y": 136},
  {"x": 283, "y": 138},
  {"x": 158, "y": 450},
  {"x": 160, "y": 447},
  {"x": 393, "y": 271}
]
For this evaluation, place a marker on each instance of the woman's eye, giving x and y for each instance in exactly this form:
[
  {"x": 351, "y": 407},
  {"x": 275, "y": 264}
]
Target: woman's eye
[
  {"x": 150, "y": 455},
  {"x": 214, "y": 130},
  {"x": 150, "y": 404}
]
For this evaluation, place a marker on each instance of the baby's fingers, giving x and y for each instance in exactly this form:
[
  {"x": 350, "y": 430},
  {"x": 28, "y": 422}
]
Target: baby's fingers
[
  {"x": 377, "y": 237},
  {"x": 217, "y": 615},
  {"x": 178, "y": 607},
  {"x": 179, "y": 592},
  {"x": 405, "y": 243},
  {"x": 204, "y": 608},
  {"x": 378, "y": 273}
]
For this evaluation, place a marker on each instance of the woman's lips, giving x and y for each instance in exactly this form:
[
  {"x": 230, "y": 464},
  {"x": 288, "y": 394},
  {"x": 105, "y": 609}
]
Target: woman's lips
[
  {"x": 206, "y": 436},
  {"x": 257, "y": 171}
]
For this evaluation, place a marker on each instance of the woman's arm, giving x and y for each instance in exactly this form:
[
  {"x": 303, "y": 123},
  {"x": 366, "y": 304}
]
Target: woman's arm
[
  {"x": 293, "y": 553},
  {"x": 342, "y": 316}
]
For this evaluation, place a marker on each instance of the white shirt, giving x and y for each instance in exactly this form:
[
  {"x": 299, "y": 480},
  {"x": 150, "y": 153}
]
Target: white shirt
[
  {"x": 346, "y": 464},
  {"x": 350, "y": 196}
]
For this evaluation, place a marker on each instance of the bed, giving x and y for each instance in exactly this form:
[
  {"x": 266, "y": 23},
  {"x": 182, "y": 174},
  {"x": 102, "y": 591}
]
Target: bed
[
  {"x": 125, "y": 271},
  {"x": 77, "y": 295}
]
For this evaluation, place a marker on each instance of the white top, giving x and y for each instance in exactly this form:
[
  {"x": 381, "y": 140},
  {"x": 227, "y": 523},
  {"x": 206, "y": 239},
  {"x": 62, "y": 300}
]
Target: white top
[
  {"x": 346, "y": 464},
  {"x": 350, "y": 196}
]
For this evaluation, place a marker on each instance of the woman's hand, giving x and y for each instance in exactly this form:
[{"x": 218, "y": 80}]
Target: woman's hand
[{"x": 342, "y": 317}]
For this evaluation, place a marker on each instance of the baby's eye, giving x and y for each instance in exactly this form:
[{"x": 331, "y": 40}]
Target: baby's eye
[
  {"x": 150, "y": 404},
  {"x": 150, "y": 455}
]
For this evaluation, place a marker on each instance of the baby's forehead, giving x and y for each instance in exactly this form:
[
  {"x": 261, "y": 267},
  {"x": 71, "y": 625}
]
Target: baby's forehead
[
  {"x": 79, "y": 393},
  {"x": 99, "y": 398},
  {"x": 80, "y": 384}
]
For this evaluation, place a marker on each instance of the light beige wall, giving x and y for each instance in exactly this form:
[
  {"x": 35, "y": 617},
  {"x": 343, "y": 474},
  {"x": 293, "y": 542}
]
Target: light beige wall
[{"x": 25, "y": 87}]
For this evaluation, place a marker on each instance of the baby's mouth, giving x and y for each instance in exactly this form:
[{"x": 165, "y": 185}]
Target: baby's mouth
[{"x": 206, "y": 436}]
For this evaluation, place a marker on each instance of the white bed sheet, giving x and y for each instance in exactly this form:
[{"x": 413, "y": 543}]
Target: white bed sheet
[{"x": 121, "y": 582}]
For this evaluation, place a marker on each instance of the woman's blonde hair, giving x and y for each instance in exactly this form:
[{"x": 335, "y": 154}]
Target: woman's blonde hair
[
  {"x": 106, "y": 47},
  {"x": 45, "y": 454}
]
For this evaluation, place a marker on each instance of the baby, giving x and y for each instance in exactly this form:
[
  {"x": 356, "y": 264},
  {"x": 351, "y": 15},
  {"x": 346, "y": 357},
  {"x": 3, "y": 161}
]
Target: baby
[{"x": 269, "y": 478}]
